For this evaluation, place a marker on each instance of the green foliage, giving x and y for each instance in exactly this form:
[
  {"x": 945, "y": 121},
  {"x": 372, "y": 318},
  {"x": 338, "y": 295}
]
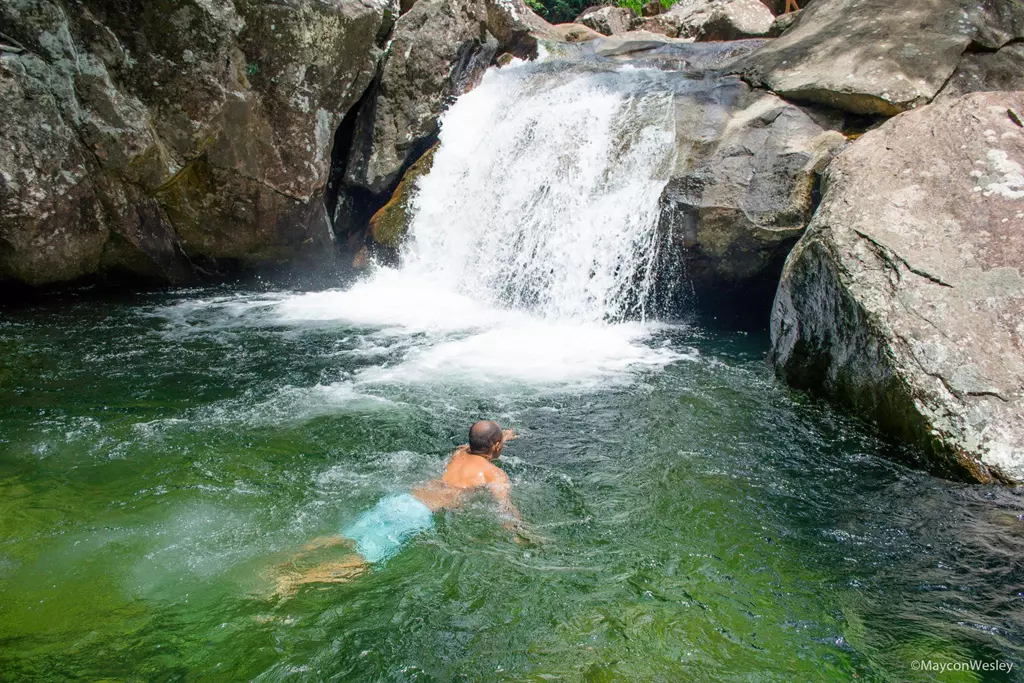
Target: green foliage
[
  {"x": 559, "y": 11},
  {"x": 636, "y": 5}
]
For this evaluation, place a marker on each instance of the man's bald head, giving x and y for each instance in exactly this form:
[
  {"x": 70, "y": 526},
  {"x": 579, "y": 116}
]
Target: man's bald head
[{"x": 483, "y": 437}]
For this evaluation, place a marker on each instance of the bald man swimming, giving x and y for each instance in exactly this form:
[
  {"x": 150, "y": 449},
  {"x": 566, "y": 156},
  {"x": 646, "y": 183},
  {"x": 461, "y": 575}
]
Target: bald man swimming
[{"x": 379, "y": 533}]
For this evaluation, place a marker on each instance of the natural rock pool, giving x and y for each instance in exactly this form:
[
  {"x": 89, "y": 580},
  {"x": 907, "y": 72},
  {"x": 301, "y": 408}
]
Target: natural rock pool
[{"x": 159, "y": 454}]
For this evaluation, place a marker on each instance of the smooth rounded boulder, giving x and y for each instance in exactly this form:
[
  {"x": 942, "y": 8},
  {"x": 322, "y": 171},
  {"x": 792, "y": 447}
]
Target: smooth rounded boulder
[
  {"x": 879, "y": 57},
  {"x": 608, "y": 21},
  {"x": 904, "y": 300}
]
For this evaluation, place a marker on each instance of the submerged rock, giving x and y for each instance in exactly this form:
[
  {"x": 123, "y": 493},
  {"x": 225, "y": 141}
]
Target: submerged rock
[
  {"x": 878, "y": 56},
  {"x": 905, "y": 298},
  {"x": 164, "y": 140}
]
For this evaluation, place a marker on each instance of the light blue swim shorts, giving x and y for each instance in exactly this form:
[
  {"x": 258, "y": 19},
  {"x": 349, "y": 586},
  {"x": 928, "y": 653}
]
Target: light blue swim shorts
[{"x": 380, "y": 531}]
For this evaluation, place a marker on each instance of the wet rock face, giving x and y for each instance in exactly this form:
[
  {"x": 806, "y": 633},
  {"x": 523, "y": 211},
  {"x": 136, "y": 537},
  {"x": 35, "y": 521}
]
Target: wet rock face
[
  {"x": 390, "y": 223},
  {"x": 905, "y": 300},
  {"x": 877, "y": 56},
  {"x": 438, "y": 49},
  {"x": 743, "y": 189},
  {"x": 163, "y": 140}
]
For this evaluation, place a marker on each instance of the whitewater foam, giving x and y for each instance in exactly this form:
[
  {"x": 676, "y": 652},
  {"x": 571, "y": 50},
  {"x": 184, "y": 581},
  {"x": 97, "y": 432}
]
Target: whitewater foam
[{"x": 532, "y": 249}]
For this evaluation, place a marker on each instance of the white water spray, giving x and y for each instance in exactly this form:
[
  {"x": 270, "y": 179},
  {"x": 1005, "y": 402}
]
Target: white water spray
[
  {"x": 534, "y": 240},
  {"x": 544, "y": 193}
]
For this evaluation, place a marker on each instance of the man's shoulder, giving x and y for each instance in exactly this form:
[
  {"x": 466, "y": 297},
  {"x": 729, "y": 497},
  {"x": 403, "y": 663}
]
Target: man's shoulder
[{"x": 494, "y": 474}]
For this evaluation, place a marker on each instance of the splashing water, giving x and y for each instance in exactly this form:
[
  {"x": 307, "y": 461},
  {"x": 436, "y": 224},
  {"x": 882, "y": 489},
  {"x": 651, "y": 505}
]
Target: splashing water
[
  {"x": 544, "y": 193},
  {"x": 535, "y": 233}
]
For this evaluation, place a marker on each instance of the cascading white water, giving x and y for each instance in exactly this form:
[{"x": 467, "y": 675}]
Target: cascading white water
[
  {"x": 544, "y": 193},
  {"x": 533, "y": 241}
]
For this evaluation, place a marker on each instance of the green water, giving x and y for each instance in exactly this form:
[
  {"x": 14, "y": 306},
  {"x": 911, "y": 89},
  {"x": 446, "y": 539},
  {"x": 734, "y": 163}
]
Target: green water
[{"x": 700, "y": 521}]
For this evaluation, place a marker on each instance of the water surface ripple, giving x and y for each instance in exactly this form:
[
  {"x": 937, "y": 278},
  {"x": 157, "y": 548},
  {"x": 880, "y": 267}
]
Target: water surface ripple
[{"x": 695, "y": 519}]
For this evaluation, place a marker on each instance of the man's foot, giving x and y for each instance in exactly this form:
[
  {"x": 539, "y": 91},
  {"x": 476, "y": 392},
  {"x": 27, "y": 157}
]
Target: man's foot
[{"x": 328, "y": 572}]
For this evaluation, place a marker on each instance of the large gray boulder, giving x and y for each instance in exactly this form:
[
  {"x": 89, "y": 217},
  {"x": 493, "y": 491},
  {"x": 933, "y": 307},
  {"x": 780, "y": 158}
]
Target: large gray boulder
[
  {"x": 163, "y": 140},
  {"x": 708, "y": 20},
  {"x": 735, "y": 20},
  {"x": 608, "y": 20},
  {"x": 438, "y": 50},
  {"x": 879, "y": 56},
  {"x": 905, "y": 299},
  {"x": 437, "y": 47},
  {"x": 517, "y": 28},
  {"x": 742, "y": 190}
]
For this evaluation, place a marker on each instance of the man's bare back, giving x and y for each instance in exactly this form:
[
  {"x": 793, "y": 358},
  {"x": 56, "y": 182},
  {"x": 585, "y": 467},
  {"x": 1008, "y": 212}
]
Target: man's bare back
[{"x": 465, "y": 473}]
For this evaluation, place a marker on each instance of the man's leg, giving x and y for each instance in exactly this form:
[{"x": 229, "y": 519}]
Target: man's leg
[{"x": 337, "y": 571}]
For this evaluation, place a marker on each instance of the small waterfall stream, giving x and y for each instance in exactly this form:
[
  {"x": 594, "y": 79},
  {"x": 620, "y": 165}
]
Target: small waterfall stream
[
  {"x": 534, "y": 247},
  {"x": 544, "y": 193}
]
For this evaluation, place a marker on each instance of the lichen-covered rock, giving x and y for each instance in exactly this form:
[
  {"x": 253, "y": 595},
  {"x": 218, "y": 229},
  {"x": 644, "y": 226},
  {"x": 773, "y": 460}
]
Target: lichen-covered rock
[
  {"x": 608, "y": 20},
  {"x": 879, "y": 56},
  {"x": 783, "y": 23},
  {"x": 162, "y": 139},
  {"x": 742, "y": 189},
  {"x": 905, "y": 298}
]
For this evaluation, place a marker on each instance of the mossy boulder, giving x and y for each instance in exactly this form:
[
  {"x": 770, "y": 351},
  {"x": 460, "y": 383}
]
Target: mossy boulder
[{"x": 390, "y": 224}]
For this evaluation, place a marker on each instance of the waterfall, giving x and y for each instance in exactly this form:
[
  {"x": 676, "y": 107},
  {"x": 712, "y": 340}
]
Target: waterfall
[
  {"x": 534, "y": 242},
  {"x": 543, "y": 195}
]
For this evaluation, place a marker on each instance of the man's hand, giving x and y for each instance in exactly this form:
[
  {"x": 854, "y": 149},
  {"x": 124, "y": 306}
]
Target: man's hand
[{"x": 508, "y": 434}]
